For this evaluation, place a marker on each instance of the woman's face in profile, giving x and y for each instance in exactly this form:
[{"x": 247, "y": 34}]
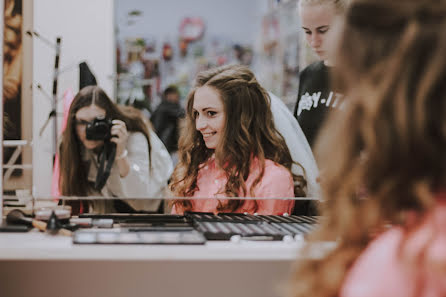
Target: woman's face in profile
[
  {"x": 84, "y": 116},
  {"x": 209, "y": 115},
  {"x": 316, "y": 20}
]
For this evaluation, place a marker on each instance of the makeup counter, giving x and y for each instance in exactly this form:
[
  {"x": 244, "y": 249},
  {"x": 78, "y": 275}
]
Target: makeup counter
[{"x": 161, "y": 255}]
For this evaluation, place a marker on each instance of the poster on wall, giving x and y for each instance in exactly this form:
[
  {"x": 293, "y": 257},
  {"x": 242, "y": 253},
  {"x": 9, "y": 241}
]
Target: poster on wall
[{"x": 12, "y": 75}]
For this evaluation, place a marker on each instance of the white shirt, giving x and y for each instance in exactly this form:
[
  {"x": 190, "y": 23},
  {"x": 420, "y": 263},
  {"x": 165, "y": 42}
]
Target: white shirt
[{"x": 140, "y": 182}]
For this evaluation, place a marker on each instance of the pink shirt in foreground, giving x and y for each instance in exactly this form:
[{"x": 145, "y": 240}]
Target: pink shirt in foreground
[
  {"x": 383, "y": 269},
  {"x": 276, "y": 182}
]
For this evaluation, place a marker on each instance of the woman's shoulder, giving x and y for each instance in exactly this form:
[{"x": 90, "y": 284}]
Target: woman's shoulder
[
  {"x": 273, "y": 166},
  {"x": 383, "y": 265},
  {"x": 136, "y": 137},
  {"x": 276, "y": 181},
  {"x": 136, "y": 134},
  {"x": 276, "y": 170},
  {"x": 376, "y": 266},
  {"x": 314, "y": 67}
]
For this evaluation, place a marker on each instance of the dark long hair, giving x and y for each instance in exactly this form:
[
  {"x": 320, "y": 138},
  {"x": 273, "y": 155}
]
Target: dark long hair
[
  {"x": 249, "y": 134},
  {"x": 73, "y": 174},
  {"x": 391, "y": 138}
]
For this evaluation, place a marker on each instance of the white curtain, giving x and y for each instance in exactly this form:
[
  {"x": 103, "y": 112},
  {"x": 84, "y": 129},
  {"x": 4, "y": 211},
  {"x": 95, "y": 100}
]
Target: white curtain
[{"x": 297, "y": 143}]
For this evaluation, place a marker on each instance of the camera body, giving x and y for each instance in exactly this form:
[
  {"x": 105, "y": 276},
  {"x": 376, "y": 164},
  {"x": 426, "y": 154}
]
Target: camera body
[{"x": 99, "y": 129}]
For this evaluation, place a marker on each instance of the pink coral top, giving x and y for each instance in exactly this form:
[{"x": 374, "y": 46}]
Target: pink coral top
[
  {"x": 277, "y": 182},
  {"x": 385, "y": 269}
]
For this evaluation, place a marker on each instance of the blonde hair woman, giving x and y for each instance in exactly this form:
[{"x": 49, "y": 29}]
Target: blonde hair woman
[{"x": 316, "y": 96}]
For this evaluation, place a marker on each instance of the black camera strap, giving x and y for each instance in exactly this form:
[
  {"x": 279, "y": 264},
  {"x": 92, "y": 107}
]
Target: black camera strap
[{"x": 106, "y": 159}]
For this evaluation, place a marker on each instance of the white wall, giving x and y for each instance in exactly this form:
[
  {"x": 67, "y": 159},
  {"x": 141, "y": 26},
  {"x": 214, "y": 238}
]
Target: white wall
[
  {"x": 238, "y": 20},
  {"x": 87, "y": 31}
]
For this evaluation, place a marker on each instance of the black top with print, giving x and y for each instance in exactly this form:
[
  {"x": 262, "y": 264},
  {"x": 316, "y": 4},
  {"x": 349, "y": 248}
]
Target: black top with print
[{"x": 315, "y": 99}]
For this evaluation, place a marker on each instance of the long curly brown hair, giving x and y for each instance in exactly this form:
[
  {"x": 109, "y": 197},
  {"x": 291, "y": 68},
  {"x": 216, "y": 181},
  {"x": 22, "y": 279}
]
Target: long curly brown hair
[
  {"x": 390, "y": 139},
  {"x": 73, "y": 173},
  {"x": 249, "y": 134}
]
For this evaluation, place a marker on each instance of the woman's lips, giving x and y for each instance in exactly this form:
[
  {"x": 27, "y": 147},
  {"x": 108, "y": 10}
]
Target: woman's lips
[{"x": 208, "y": 135}]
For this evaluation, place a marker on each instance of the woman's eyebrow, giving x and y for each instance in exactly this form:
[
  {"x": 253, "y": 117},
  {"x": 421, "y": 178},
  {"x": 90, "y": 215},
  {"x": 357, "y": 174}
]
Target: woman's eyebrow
[
  {"x": 205, "y": 108},
  {"x": 318, "y": 28}
]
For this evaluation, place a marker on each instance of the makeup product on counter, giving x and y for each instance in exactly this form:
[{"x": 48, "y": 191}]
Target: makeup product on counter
[
  {"x": 100, "y": 236},
  {"x": 13, "y": 228},
  {"x": 17, "y": 217},
  {"x": 90, "y": 222},
  {"x": 62, "y": 212},
  {"x": 226, "y": 226}
]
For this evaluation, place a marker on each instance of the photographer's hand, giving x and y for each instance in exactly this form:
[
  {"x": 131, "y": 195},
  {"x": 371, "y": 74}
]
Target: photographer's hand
[{"x": 120, "y": 137}]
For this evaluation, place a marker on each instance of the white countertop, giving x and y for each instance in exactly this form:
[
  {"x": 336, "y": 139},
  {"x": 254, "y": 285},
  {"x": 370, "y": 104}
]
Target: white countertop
[
  {"x": 252, "y": 268},
  {"x": 36, "y": 245}
]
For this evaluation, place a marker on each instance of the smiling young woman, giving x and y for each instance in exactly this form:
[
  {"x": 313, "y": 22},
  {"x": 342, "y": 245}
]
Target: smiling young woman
[{"x": 231, "y": 148}]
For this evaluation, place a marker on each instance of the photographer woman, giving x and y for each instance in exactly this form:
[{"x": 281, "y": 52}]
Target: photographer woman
[
  {"x": 140, "y": 169},
  {"x": 231, "y": 148}
]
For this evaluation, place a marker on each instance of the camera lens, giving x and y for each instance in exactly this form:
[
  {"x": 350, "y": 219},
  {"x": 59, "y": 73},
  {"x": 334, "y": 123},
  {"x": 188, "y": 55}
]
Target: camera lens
[{"x": 99, "y": 129}]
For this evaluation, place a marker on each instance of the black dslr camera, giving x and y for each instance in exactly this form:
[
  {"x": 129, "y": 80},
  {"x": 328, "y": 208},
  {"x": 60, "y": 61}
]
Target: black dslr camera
[{"x": 99, "y": 129}]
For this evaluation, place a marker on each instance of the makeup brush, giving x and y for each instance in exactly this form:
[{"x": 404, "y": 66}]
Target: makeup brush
[{"x": 17, "y": 217}]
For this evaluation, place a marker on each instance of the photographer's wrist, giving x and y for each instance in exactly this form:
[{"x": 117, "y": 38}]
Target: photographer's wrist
[
  {"x": 122, "y": 155},
  {"x": 123, "y": 164}
]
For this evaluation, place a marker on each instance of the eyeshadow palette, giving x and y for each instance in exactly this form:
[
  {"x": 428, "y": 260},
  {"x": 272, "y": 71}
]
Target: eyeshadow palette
[
  {"x": 225, "y": 230},
  {"x": 289, "y": 219},
  {"x": 292, "y": 225},
  {"x": 196, "y": 228},
  {"x": 128, "y": 237},
  {"x": 222, "y": 217},
  {"x": 262, "y": 227}
]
